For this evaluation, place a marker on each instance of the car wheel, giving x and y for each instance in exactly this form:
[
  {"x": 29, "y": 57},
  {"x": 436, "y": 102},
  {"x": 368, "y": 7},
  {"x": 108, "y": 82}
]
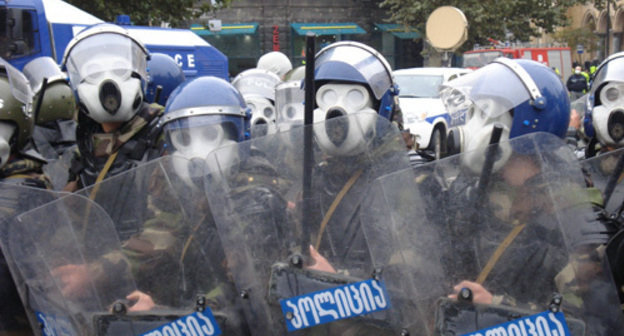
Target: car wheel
[{"x": 436, "y": 144}]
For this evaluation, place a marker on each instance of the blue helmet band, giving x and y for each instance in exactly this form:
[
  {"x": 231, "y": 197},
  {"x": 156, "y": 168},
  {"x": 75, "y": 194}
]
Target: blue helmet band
[{"x": 204, "y": 110}]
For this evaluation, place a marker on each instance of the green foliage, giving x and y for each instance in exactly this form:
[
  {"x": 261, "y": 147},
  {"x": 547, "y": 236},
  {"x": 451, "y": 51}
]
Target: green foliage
[
  {"x": 576, "y": 36},
  {"x": 488, "y": 18},
  {"x": 150, "y": 12}
]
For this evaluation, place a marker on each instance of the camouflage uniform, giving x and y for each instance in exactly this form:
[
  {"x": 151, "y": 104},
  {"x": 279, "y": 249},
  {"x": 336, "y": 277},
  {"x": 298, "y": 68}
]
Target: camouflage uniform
[
  {"x": 24, "y": 172},
  {"x": 135, "y": 141}
]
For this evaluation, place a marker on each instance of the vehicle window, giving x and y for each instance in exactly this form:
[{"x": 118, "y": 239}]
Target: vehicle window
[
  {"x": 18, "y": 34},
  {"x": 419, "y": 86},
  {"x": 479, "y": 59},
  {"x": 4, "y": 35},
  {"x": 453, "y": 76}
]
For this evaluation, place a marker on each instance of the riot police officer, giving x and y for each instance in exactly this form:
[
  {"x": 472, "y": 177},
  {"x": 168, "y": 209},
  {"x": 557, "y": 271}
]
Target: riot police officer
[
  {"x": 292, "y": 238},
  {"x": 174, "y": 253},
  {"x": 194, "y": 124},
  {"x": 345, "y": 89},
  {"x": 116, "y": 127},
  {"x": 604, "y": 126},
  {"x": 55, "y": 121},
  {"x": 258, "y": 89},
  {"x": 532, "y": 100},
  {"x": 20, "y": 165}
]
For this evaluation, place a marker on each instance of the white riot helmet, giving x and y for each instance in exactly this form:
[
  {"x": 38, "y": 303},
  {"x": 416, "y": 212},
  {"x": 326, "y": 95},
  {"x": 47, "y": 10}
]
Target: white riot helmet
[
  {"x": 351, "y": 77},
  {"x": 258, "y": 89},
  {"x": 276, "y": 62},
  {"x": 107, "y": 70},
  {"x": 521, "y": 96}
]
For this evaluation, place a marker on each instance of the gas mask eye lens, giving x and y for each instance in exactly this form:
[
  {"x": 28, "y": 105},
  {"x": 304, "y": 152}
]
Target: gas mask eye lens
[
  {"x": 93, "y": 68},
  {"x": 329, "y": 97},
  {"x": 355, "y": 97},
  {"x": 268, "y": 112},
  {"x": 93, "y": 73},
  {"x": 121, "y": 69},
  {"x": 290, "y": 112},
  {"x": 182, "y": 138},
  {"x": 210, "y": 133},
  {"x": 456, "y": 98},
  {"x": 122, "y": 73},
  {"x": 612, "y": 94}
]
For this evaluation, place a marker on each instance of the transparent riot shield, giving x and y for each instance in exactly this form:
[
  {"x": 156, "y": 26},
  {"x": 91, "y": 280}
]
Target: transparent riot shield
[
  {"x": 501, "y": 246},
  {"x": 604, "y": 172},
  {"x": 165, "y": 225},
  {"x": 15, "y": 199},
  {"x": 166, "y": 276},
  {"x": 288, "y": 213},
  {"x": 48, "y": 246}
]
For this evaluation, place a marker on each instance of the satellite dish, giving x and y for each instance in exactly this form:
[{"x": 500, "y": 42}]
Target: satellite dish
[{"x": 447, "y": 28}]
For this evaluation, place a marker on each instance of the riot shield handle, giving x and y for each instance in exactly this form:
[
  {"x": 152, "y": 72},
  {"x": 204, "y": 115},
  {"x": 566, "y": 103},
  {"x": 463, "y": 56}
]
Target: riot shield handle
[
  {"x": 157, "y": 94},
  {"x": 296, "y": 260},
  {"x": 200, "y": 303},
  {"x": 555, "y": 303},
  {"x": 376, "y": 275},
  {"x": 120, "y": 307},
  {"x": 465, "y": 295}
]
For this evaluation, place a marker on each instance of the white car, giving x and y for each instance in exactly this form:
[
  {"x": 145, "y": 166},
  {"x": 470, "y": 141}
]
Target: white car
[{"x": 423, "y": 112}]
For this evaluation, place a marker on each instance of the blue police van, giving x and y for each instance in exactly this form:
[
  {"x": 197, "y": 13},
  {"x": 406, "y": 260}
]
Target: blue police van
[{"x": 34, "y": 28}]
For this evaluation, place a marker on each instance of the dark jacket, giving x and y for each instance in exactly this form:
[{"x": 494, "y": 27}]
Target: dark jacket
[{"x": 577, "y": 83}]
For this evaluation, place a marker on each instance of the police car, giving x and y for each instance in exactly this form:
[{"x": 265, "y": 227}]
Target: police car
[{"x": 423, "y": 112}]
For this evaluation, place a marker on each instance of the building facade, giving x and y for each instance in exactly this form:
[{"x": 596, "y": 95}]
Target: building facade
[
  {"x": 607, "y": 24},
  {"x": 250, "y": 28}
]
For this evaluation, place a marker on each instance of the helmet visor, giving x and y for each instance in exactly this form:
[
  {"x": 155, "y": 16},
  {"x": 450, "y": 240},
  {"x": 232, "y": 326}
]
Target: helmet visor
[
  {"x": 20, "y": 88},
  {"x": 494, "y": 89},
  {"x": 40, "y": 68},
  {"x": 197, "y": 136},
  {"x": 260, "y": 83},
  {"x": 101, "y": 54}
]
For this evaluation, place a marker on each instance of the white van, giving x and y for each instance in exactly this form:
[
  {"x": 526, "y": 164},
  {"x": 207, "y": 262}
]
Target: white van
[{"x": 423, "y": 112}]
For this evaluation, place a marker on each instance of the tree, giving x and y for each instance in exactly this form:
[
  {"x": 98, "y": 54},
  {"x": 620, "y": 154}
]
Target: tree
[
  {"x": 575, "y": 36},
  {"x": 496, "y": 19},
  {"x": 150, "y": 12}
]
